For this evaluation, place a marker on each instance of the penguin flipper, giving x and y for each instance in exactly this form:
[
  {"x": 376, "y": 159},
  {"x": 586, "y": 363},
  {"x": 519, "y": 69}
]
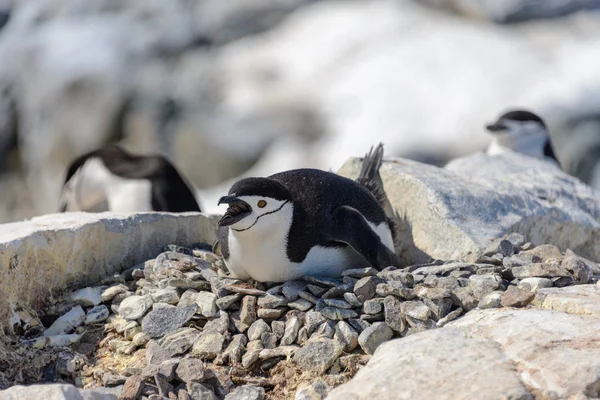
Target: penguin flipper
[{"x": 350, "y": 227}]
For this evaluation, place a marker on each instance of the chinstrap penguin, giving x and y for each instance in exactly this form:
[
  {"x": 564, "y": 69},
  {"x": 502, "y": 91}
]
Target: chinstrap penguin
[
  {"x": 304, "y": 222},
  {"x": 110, "y": 178},
  {"x": 522, "y": 132}
]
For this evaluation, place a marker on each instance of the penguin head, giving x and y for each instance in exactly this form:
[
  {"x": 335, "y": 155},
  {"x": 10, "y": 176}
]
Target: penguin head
[
  {"x": 521, "y": 131},
  {"x": 257, "y": 205}
]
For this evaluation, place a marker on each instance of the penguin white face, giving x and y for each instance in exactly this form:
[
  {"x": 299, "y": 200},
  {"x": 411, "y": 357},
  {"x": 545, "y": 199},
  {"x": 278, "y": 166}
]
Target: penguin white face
[
  {"x": 256, "y": 205},
  {"x": 520, "y": 131}
]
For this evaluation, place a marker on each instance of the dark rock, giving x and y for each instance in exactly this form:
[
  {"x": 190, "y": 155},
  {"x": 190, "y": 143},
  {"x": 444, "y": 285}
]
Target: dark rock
[
  {"x": 394, "y": 288},
  {"x": 164, "y": 320},
  {"x": 291, "y": 289},
  {"x": 234, "y": 350},
  {"x": 190, "y": 370},
  {"x": 179, "y": 341},
  {"x": 374, "y": 336},
  {"x": 463, "y": 297},
  {"x": 365, "y": 288},
  {"x": 517, "y": 297},
  {"x": 198, "y": 391},
  {"x": 338, "y": 314},
  {"x": 582, "y": 273},
  {"x": 481, "y": 285},
  {"x": 132, "y": 388},
  {"x": 393, "y": 314}
]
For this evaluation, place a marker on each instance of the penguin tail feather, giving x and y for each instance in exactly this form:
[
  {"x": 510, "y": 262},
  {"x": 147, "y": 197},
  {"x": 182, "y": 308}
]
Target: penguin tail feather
[{"x": 369, "y": 173}]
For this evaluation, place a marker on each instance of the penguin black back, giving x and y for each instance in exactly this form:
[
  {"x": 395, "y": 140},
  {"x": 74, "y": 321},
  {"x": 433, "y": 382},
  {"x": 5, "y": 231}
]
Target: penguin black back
[{"x": 169, "y": 192}]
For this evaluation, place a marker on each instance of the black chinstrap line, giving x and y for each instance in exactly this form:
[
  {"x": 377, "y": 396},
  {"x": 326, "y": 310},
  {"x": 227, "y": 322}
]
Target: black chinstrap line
[{"x": 260, "y": 216}]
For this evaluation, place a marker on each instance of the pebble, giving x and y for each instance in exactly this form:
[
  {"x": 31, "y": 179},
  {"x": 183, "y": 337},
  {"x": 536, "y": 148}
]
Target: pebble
[
  {"x": 291, "y": 289},
  {"x": 270, "y": 313},
  {"x": 253, "y": 350},
  {"x": 372, "y": 307},
  {"x": 135, "y": 307},
  {"x": 318, "y": 291},
  {"x": 272, "y": 301},
  {"x": 374, "y": 336},
  {"x": 545, "y": 270},
  {"x": 198, "y": 391},
  {"x": 234, "y": 350},
  {"x": 248, "y": 310},
  {"x": 301, "y": 304},
  {"x": 219, "y": 324},
  {"x": 109, "y": 293},
  {"x": 347, "y": 336},
  {"x": 491, "y": 300},
  {"x": 292, "y": 326},
  {"x": 360, "y": 272},
  {"x": 322, "y": 280},
  {"x": 190, "y": 370},
  {"x": 269, "y": 340},
  {"x": 207, "y": 304},
  {"x": 132, "y": 389},
  {"x": 337, "y": 303},
  {"x": 394, "y": 288},
  {"x": 308, "y": 296},
  {"x": 257, "y": 328},
  {"x": 164, "y": 320},
  {"x": 365, "y": 288},
  {"x": 140, "y": 339},
  {"x": 168, "y": 296},
  {"x": 537, "y": 283},
  {"x": 481, "y": 285},
  {"x": 394, "y": 316},
  {"x": 313, "y": 320},
  {"x": 88, "y": 297},
  {"x": 450, "y": 317},
  {"x": 318, "y": 354},
  {"x": 338, "y": 313},
  {"x": 179, "y": 341},
  {"x": 352, "y": 299},
  {"x": 96, "y": 314},
  {"x": 246, "y": 392},
  {"x": 302, "y": 335},
  {"x": 517, "y": 296},
  {"x": 326, "y": 329},
  {"x": 462, "y": 297},
  {"x": 278, "y": 328},
  {"x": 416, "y": 310},
  {"x": 244, "y": 288},
  {"x": 439, "y": 308},
  {"x": 337, "y": 291},
  {"x": 317, "y": 390},
  {"x": 237, "y": 322},
  {"x": 282, "y": 351},
  {"x": 66, "y": 323},
  {"x": 358, "y": 324},
  {"x": 227, "y": 301},
  {"x": 208, "y": 346}
]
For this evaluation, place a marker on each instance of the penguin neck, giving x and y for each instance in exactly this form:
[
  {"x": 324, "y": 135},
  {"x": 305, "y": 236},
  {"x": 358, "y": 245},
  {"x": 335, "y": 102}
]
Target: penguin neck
[{"x": 531, "y": 144}]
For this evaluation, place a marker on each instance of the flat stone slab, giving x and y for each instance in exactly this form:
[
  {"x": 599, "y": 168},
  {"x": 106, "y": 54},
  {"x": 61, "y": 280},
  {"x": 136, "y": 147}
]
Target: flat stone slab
[
  {"x": 580, "y": 299},
  {"x": 48, "y": 254}
]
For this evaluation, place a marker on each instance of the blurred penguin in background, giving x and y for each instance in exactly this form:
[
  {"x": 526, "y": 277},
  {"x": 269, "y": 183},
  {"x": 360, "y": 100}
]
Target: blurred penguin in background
[{"x": 112, "y": 179}]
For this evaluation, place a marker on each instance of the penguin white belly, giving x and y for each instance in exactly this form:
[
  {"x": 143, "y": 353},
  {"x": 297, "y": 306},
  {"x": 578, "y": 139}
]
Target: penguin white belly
[{"x": 129, "y": 195}]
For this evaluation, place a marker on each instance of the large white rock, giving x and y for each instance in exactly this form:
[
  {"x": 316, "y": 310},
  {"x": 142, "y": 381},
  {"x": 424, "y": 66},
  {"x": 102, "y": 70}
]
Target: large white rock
[
  {"x": 488, "y": 354},
  {"x": 58, "y": 391},
  {"x": 454, "y": 212},
  {"x": 46, "y": 255}
]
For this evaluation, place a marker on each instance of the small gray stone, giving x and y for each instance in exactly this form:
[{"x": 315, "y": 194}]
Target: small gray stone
[
  {"x": 272, "y": 301},
  {"x": 318, "y": 354},
  {"x": 155, "y": 353},
  {"x": 109, "y": 293},
  {"x": 312, "y": 320},
  {"x": 208, "y": 346},
  {"x": 110, "y": 380},
  {"x": 578, "y": 267},
  {"x": 351, "y": 298},
  {"x": 326, "y": 330},
  {"x": 207, "y": 304},
  {"x": 501, "y": 246},
  {"x": 291, "y": 289},
  {"x": 337, "y": 303},
  {"x": 537, "y": 283},
  {"x": 365, "y": 288},
  {"x": 308, "y": 296},
  {"x": 394, "y": 288},
  {"x": 269, "y": 340},
  {"x": 135, "y": 307},
  {"x": 358, "y": 324},
  {"x": 347, "y": 336},
  {"x": 292, "y": 326},
  {"x": 372, "y": 307},
  {"x": 439, "y": 308},
  {"x": 300, "y": 304},
  {"x": 270, "y": 313},
  {"x": 315, "y": 391},
  {"x": 322, "y": 280},
  {"x": 234, "y": 351},
  {"x": 179, "y": 341},
  {"x": 462, "y": 297},
  {"x": 481, "y": 285},
  {"x": 235, "y": 319},
  {"x": 257, "y": 328},
  {"x": 278, "y": 328},
  {"x": 132, "y": 388},
  {"x": 252, "y": 353},
  {"x": 140, "y": 339},
  {"x": 190, "y": 370},
  {"x": 167, "y": 368},
  {"x": 88, "y": 297},
  {"x": 563, "y": 281},
  {"x": 318, "y": 291},
  {"x": 224, "y": 303},
  {"x": 338, "y": 314},
  {"x": 397, "y": 275},
  {"x": 546, "y": 270},
  {"x": 416, "y": 310},
  {"x": 491, "y": 300},
  {"x": 450, "y": 317},
  {"x": 168, "y": 296},
  {"x": 374, "y": 336},
  {"x": 164, "y": 320},
  {"x": 248, "y": 310},
  {"x": 246, "y": 392},
  {"x": 198, "y": 391},
  {"x": 394, "y": 318},
  {"x": 517, "y": 297},
  {"x": 337, "y": 291},
  {"x": 244, "y": 288},
  {"x": 302, "y": 335},
  {"x": 282, "y": 351},
  {"x": 97, "y": 314},
  {"x": 219, "y": 324}
]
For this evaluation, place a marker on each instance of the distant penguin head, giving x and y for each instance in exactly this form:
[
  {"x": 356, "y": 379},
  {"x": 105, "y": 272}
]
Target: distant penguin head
[
  {"x": 257, "y": 205},
  {"x": 521, "y": 131}
]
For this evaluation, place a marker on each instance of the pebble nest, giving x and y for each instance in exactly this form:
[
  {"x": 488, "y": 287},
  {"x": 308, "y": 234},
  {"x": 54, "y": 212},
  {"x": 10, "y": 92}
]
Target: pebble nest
[{"x": 177, "y": 327}]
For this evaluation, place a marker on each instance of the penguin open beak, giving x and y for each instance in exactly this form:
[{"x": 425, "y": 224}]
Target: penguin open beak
[
  {"x": 238, "y": 209},
  {"x": 496, "y": 127}
]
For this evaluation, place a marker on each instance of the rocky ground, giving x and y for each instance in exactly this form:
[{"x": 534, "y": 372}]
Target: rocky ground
[{"x": 177, "y": 327}]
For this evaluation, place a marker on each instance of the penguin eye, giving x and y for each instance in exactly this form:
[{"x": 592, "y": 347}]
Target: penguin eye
[{"x": 261, "y": 204}]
